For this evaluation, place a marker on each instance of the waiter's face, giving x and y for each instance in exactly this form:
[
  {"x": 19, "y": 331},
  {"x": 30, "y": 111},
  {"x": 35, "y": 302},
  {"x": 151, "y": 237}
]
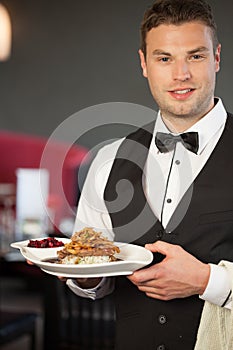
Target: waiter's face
[{"x": 181, "y": 66}]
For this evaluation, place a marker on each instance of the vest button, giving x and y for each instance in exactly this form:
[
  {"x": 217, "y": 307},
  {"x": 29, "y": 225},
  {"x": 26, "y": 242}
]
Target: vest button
[
  {"x": 159, "y": 234},
  {"x": 162, "y": 319},
  {"x": 161, "y": 347}
]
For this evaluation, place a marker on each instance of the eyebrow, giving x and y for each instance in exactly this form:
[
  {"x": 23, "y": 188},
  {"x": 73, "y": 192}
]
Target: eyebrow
[
  {"x": 158, "y": 52},
  {"x": 199, "y": 49}
]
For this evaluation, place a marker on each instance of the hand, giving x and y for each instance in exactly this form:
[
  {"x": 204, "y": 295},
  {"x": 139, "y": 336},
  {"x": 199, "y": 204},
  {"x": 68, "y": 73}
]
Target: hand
[
  {"x": 87, "y": 283},
  {"x": 179, "y": 275},
  {"x": 84, "y": 283}
]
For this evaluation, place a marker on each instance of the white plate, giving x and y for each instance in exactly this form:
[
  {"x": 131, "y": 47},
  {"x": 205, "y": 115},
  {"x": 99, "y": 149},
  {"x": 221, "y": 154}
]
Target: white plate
[
  {"x": 39, "y": 253},
  {"x": 132, "y": 257}
]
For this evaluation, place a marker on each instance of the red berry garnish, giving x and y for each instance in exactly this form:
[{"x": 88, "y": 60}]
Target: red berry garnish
[{"x": 50, "y": 242}]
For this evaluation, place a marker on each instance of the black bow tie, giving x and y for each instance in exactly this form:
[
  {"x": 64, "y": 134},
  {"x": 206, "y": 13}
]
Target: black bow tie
[{"x": 166, "y": 142}]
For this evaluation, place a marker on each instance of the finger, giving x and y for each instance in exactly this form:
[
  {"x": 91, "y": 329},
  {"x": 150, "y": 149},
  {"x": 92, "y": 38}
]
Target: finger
[
  {"x": 152, "y": 290},
  {"x": 161, "y": 247},
  {"x": 81, "y": 280},
  {"x": 145, "y": 275},
  {"x": 29, "y": 262},
  {"x": 156, "y": 292},
  {"x": 88, "y": 282},
  {"x": 159, "y": 296},
  {"x": 63, "y": 279}
]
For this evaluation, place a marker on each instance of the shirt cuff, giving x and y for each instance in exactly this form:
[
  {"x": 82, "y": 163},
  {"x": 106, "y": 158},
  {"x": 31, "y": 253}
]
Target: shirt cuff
[
  {"x": 218, "y": 288},
  {"x": 105, "y": 287}
]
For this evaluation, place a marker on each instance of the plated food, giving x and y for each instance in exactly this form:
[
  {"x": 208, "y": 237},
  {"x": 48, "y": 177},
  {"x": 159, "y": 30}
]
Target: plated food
[
  {"x": 50, "y": 242},
  {"x": 87, "y": 254},
  {"x": 88, "y": 247},
  {"x": 39, "y": 248}
]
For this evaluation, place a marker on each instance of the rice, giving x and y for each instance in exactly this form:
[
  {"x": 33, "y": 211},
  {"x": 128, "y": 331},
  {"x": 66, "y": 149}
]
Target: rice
[{"x": 69, "y": 259}]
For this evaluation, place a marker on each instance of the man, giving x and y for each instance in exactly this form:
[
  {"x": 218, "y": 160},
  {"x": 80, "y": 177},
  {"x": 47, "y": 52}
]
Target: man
[{"x": 182, "y": 187}]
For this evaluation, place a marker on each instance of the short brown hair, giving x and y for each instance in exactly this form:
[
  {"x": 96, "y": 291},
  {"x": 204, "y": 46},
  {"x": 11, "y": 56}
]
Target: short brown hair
[{"x": 177, "y": 12}]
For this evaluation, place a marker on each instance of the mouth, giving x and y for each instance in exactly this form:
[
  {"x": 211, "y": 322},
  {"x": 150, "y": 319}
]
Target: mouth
[{"x": 181, "y": 94}]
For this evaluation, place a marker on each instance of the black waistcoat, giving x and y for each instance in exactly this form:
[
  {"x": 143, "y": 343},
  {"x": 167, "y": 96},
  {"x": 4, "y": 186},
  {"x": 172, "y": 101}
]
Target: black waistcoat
[{"x": 202, "y": 224}]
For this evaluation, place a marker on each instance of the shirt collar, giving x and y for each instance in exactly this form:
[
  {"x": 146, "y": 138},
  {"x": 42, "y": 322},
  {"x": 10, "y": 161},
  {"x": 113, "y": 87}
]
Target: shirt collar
[{"x": 206, "y": 126}]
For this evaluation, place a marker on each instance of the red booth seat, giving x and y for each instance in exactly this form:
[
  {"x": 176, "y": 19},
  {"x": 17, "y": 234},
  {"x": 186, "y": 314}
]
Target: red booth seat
[{"x": 62, "y": 160}]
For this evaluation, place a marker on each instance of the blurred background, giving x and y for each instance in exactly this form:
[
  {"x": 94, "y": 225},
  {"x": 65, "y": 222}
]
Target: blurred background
[{"x": 67, "y": 56}]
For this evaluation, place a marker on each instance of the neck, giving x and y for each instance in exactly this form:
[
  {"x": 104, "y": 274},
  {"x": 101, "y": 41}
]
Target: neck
[{"x": 179, "y": 125}]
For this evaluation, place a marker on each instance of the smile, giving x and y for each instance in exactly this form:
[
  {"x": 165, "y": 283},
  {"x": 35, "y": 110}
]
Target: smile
[{"x": 182, "y": 92}]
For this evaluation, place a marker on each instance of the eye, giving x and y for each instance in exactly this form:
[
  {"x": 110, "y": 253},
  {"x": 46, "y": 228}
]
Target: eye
[
  {"x": 196, "y": 57},
  {"x": 164, "y": 59}
]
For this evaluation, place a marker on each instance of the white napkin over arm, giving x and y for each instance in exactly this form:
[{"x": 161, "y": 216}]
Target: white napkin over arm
[{"x": 216, "y": 325}]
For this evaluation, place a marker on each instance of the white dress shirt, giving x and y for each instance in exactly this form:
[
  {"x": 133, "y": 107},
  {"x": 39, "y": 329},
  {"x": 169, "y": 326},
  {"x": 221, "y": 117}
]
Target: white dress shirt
[{"x": 173, "y": 172}]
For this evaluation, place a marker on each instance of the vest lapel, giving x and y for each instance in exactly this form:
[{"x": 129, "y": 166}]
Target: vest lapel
[{"x": 131, "y": 215}]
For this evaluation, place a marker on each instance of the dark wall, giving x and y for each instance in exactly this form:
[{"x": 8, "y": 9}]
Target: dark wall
[{"x": 69, "y": 55}]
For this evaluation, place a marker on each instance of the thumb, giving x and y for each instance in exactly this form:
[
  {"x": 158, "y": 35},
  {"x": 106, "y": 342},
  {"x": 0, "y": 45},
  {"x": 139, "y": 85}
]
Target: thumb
[{"x": 160, "y": 247}]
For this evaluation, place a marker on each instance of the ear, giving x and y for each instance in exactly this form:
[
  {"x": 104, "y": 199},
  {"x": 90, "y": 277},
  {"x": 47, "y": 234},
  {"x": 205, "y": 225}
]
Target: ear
[
  {"x": 143, "y": 63},
  {"x": 217, "y": 58}
]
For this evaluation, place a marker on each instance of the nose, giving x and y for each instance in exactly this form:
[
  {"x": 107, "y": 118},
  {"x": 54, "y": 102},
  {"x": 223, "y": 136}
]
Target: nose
[{"x": 181, "y": 71}]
